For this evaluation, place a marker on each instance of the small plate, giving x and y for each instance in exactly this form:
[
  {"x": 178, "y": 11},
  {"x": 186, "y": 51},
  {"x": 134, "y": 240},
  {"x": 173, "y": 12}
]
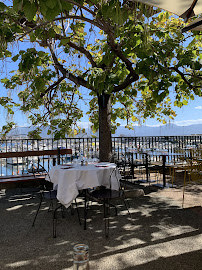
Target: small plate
[
  {"x": 102, "y": 164},
  {"x": 66, "y": 168}
]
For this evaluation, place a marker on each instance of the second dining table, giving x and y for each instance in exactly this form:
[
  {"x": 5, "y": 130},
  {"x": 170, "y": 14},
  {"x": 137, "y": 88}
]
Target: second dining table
[{"x": 68, "y": 179}]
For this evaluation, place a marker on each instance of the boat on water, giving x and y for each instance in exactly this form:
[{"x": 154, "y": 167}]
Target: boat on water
[
  {"x": 20, "y": 161},
  {"x": 16, "y": 161}
]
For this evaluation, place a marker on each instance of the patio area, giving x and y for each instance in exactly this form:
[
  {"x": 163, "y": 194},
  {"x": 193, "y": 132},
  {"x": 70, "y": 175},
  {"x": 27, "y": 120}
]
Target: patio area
[{"x": 163, "y": 236}]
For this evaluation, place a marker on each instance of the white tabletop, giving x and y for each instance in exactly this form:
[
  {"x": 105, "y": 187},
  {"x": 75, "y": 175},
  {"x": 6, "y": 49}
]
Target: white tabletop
[{"x": 71, "y": 178}]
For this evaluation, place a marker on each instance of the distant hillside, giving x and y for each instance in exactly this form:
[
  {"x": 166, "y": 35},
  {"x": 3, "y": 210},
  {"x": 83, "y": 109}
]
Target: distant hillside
[{"x": 165, "y": 130}]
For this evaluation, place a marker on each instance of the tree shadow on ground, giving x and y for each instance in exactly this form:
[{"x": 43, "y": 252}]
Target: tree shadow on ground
[{"x": 161, "y": 232}]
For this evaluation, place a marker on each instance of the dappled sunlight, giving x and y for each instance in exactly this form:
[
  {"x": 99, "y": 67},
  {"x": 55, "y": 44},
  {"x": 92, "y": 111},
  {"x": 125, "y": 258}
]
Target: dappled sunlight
[
  {"x": 19, "y": 199},
  {"x": 137, "y": 256},
  {"x": 18, "y": 264},
  {"x": 62, "y": 243},
  {"x": 131, "y": 227},
  {"x": 52, "y": 258},
  {"x": 16, "y": 207},
  {"x": 128, "y": 243},
  {"x": 170, "y": 231},
  {"x": 159, "y": 230}
]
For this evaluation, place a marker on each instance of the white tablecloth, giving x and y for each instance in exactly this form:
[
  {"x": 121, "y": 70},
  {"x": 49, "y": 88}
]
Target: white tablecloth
[{"x": 70, "y": 180}]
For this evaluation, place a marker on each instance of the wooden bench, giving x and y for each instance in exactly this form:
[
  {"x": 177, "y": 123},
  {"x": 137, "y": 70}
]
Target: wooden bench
[{"x": 34, "y": 177}]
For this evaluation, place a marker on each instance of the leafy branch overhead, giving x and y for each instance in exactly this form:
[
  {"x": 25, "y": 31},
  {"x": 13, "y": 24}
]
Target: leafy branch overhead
[{"x": 110, "y": 47}]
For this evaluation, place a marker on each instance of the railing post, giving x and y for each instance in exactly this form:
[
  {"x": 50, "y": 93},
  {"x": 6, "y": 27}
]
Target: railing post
[
  {"x": 58, "y": 157},
  {"x": 54, "y": 161}
]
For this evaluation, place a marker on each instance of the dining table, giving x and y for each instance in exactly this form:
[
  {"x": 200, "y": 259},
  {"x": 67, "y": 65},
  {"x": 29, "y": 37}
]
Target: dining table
[
  {"x": 163, "y": 154},
  {"x": 69, "y": 179}
]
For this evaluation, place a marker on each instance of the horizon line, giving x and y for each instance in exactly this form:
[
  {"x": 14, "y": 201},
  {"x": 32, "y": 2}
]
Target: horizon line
[{"x": 177, "y": 123}]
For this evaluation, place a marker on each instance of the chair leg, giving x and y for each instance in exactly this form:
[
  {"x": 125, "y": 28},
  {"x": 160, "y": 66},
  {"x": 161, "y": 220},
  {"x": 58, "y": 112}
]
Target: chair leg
[
  {"x": 63, "y": 211},
  {"x": 116, "y": 211},
  {"x": 184, "y": 189},
  {"x": 77, "y": 212},
  {"x": 106, "y": 205},
  {"x": 72, "y": 210},
  {"x": 50, "y": 205},
  {"x": 41, "y": 199},
  {"x": 55, "y": 220},
  {"x": 85, "y": 209},
  {"x": 127, "y": 206}
]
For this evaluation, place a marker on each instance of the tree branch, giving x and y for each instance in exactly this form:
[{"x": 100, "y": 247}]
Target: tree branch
[
  {"x": 80, "y": 49},
  {"x": 82, "y": 18},
  {"x": 183, "y": 77},
  {"x": 52, "y": 86},
  {"x": 116, "y": 48},
  {"x": 66, "y": 74},
  {"x": 100, "y": 24},
  {"x": 81, "y": 6},
  {"x": 63, "y": 18},
  {"x": 129, "y": 79}
]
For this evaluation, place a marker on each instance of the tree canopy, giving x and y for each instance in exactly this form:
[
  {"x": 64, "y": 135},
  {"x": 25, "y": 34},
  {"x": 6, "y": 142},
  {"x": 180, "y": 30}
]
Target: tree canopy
[{"x": 129, "y": 57}]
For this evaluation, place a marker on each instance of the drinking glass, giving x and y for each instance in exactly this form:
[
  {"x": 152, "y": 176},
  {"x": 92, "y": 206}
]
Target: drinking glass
[
  {"x": 75, "y": 162},
  {"x": 81, "y": 257}
]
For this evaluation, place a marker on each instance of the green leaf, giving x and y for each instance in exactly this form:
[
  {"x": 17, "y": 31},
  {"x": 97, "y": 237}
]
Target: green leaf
[
  {"x": 41, "y": 54},
  {"x": 30, "y": 10},
  {"x": 32, "y": 37},
  {"x": 197, "y": 66},
  {"x": 64, "y": 41},
  {"x": 66, "y": 6},
  {"x": 17, "y": 4},
  {"x": 184, "y": 102},
  {"x": 15, "y": 58},
  {"x": 52, "y": 13},
  {"x": 43, "y": 7},
  {"x": 51, "y": 3},
  {"x": 8, "y": 54},
  {"x": 57, "y": 29},
  {"x": 2, "y": 6}
]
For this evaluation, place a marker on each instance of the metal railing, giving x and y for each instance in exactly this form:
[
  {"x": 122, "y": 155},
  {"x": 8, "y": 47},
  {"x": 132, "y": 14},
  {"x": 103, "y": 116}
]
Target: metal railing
[{"x": 90, "y": 146}]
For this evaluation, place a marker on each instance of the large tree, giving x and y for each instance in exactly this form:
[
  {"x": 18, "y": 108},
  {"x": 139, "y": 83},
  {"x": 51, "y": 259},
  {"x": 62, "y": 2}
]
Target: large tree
[{"x": 128, "y": 55}]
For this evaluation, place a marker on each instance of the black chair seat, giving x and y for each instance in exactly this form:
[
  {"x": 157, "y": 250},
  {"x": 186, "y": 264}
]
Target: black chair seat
[
  {"x": 48, "y": 195},
  {"x": 107, "y": 194},
  {"x": 154, "y": 167},
  {"x": 46, "y": 192},
  {"x": 36, "y": 170}
]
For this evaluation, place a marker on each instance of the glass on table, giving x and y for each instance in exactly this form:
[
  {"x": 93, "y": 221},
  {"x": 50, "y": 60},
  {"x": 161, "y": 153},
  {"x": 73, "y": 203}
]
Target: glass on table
[
  {"x": 75, "y": 161},
  {"x": 95, "y": 160}
]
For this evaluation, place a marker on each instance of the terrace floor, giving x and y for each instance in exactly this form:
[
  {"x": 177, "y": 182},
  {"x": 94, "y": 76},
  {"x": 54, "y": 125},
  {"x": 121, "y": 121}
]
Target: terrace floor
[{"x": 164, "y": 235}]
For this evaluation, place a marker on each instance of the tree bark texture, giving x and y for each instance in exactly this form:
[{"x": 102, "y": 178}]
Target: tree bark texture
[{"x": 105, "y": 142}]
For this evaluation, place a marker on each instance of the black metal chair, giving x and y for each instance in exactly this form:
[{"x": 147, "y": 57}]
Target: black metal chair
[
  {"x": 106, "y": 195},
  {"x": 49, "y": 194}
]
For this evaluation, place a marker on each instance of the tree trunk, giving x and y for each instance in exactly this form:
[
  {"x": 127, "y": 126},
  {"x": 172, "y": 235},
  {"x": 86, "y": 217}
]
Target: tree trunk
[{"x": 105, "y": 142}]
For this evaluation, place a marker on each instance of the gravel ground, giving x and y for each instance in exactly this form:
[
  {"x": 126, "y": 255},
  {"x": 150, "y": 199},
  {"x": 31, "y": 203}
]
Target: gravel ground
[{"x": 163, "y": 235}]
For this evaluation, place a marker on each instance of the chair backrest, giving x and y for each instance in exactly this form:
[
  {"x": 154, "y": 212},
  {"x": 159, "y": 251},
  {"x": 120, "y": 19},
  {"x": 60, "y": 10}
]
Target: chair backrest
[
  {"x": 195, "y": 171},
  {"x": 38, "y": 169}
]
